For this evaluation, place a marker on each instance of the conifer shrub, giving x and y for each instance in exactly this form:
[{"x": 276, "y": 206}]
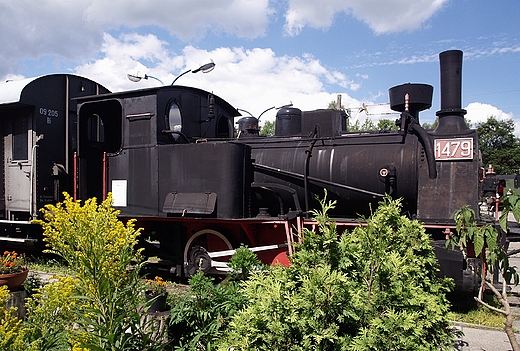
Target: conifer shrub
[{"x": 374, "y": 288}]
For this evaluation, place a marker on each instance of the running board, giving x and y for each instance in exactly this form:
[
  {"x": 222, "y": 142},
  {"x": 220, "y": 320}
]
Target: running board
[
  {"x": 18, "y": 240},
  {"x": 254, "y": 249}
]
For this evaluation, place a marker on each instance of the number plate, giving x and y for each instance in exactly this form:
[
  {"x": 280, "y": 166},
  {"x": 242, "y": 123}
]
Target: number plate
[{"x": 454, "y": 149}]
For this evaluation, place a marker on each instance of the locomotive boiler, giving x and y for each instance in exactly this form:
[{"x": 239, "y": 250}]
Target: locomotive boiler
[
  {"x": 170, "y": 158},
  {"x": 435, "y": 172}
]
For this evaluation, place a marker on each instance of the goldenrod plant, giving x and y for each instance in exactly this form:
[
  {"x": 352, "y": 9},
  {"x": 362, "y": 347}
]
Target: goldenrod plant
[
  {"x": 91, "y": 238},
  {"x": 12, "y": 331},
  {"x": 52, "y": 314},
  {"x": 101, "y": 251}
]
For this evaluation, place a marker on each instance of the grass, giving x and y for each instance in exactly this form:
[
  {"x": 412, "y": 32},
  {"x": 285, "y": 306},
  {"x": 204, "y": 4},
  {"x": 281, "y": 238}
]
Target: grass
[
  {"x": 47, "y": 265},
  {"x": 481, "y": 316},
  {"x": 469, "y": 311}
]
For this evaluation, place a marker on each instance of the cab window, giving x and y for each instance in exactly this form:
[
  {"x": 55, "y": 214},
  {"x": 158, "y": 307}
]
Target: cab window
[{"x": 174, "y": 121}]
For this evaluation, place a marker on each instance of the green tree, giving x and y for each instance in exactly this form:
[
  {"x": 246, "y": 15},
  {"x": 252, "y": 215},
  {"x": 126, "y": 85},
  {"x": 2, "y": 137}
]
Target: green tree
[
  {"x": 372, "y": 289},
  {"x": 353, "y": 127},
  {"x": 387, "y": 124},
  {"x": 334, "y": 106},
  {"x": 499, "y": 146},
  {"x": 367, "y": 125},
  {"x": 485, "y": 243},
  {"x": 268, "y": 128},
  {"x": 431, "y": 126}
]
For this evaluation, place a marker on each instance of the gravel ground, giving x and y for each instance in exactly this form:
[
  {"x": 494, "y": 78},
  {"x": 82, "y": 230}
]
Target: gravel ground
[{"x": 477, "y": 338}]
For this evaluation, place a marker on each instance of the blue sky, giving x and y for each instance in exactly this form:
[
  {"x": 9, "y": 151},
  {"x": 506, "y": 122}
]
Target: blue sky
[{"x": 272, "y": 52}]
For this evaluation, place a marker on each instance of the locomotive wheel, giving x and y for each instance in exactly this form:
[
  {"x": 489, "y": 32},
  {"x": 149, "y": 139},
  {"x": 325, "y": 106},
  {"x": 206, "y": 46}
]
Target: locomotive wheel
[
  {"x": 200, "y": 259},
  {"x": 198, "y": 246}
]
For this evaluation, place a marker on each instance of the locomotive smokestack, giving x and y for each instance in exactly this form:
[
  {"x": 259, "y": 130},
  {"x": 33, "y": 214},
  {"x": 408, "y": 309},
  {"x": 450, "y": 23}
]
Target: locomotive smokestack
[{"x": 451, "y": 115}]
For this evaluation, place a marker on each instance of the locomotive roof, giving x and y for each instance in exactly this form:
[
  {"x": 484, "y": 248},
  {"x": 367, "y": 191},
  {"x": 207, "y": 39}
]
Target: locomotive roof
[
  {"x": 12, "y": 91},
  {"x": 148, "y": 91}
]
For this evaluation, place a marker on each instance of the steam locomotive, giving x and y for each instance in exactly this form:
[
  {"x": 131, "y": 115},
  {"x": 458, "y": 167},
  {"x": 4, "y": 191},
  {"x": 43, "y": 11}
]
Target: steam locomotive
[{"x": 171, "y": 159}]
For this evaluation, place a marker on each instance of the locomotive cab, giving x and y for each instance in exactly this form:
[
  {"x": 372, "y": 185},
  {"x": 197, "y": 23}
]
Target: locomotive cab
[
  {"x": 38, "y": 123},
  {"x": 148, "y": 148}
]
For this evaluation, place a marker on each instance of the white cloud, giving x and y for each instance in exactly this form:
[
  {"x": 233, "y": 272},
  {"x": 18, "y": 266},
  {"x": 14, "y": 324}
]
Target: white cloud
[
  {"x": 253, "y": 80},
  {"x": 31, "y": 29},
  {"x": 381, "y": 16},
  {"x": 479, "y": 113},
  {"x": 257, "y": 79},
  {"x": 183, "y": 18},
  {"x": 75, "y": 29},
  {"x": 131, "y": 54}
]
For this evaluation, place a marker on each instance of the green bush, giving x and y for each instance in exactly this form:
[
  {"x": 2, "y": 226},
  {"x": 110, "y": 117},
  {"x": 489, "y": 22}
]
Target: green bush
[
  {"x": 243, "y": 262},
  {"x": 372, "y": 289},
  {"x": 199, "y": 317}
]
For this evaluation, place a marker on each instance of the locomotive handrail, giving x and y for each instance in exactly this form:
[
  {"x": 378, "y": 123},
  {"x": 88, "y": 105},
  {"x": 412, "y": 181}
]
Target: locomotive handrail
[
  {"x": 307, "y": 170},
  {"x": 268, "y": 186},
  {"x": 424, "y": 139},
  {"x": 268, "y": 169},
  {"x": 104, "y": 176},
  {"x": 351, "y": 138}
]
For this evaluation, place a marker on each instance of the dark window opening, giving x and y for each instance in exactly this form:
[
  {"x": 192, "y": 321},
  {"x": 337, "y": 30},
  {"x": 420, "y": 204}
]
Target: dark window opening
[
  {"x": 96, "y": 129},
  {"x": 100, "y": 131},
  {"x": 224, "y": 128},
  {"x": 100, "y": 127},
  {"x": 20, "y": 132}
]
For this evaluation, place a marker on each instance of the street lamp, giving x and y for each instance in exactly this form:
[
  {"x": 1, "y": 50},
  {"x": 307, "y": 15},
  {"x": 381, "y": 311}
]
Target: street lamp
[
  {"x": 208, "y": 67},
  {"x": 136, "y": 78}
]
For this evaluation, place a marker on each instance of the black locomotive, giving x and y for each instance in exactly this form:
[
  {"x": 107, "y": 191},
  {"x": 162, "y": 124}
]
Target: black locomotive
[{"x": 170, "y": 158}]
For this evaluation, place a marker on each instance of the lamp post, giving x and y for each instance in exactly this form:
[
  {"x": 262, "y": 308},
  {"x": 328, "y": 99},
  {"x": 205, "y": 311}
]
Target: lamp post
[
  {"x": 136, "y": 78},
  {"x": 206, "y": 68}
]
